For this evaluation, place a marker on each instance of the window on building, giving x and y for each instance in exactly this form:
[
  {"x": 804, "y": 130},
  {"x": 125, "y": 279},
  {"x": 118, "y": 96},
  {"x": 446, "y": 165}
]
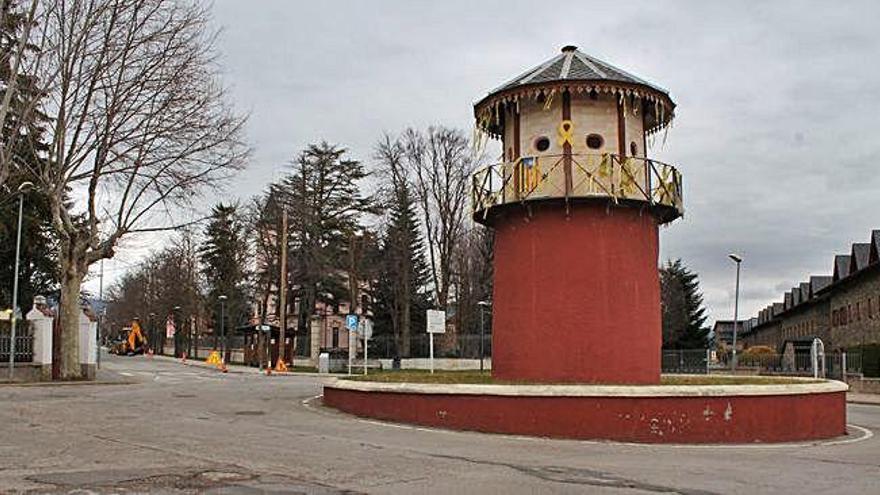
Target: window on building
[
  {"x": 595, "y": 141},
  {"x": 633, "y": 149},
  {"x": 542, "y": 143},
  {"x": 335, "y": 337}
]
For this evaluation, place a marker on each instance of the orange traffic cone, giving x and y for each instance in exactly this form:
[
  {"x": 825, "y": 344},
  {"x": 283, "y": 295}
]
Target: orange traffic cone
[{"x": 280, "y": 366}]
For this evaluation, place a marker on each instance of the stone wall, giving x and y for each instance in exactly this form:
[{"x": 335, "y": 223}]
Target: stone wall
[{"x": 806, "y": 320}]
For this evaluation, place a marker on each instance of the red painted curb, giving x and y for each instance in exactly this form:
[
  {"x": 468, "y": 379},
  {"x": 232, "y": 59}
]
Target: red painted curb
[{"x": 689, "y": 419}]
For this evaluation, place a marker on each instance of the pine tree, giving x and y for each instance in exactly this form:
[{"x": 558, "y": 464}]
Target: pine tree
[
  {"x": 224, "y": 258},
  {"x": 404, "y": 273},
  {"x": 324, "y": 202},
  {"x": 23, "y": 136},
  {"x": 684, "y": 316}
]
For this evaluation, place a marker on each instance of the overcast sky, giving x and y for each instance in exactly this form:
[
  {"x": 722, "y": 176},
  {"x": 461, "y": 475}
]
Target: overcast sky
[{"x": 774, "y": 130}]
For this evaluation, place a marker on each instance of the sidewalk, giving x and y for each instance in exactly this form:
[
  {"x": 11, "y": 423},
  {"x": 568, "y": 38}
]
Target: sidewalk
[
  {"x": 239, "y": 368},
  {"x": 871, "y": 399}
]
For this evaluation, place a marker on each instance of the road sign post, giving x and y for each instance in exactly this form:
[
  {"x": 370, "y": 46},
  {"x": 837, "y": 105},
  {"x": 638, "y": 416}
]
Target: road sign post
[
  {"x": 436, "y": 324},
  {"x": 366, "y": 331},
  {"x": 351, "y": 323}
]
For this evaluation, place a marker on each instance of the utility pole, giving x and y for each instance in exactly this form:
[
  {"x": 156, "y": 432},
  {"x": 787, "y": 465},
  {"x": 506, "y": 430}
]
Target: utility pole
[
  {"x": 101, "y": 314},
  {"x": 223, "y": 342},
  {"x": 282, "y": 290},
  {"x": 23, "y": 188}
]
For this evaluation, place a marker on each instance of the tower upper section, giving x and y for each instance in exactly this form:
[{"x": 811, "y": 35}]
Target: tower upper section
[{"x": 576, "y": 128}]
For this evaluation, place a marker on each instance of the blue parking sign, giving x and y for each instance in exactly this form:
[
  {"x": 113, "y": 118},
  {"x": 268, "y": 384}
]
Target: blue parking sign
[{"x": 351, "y": 321}]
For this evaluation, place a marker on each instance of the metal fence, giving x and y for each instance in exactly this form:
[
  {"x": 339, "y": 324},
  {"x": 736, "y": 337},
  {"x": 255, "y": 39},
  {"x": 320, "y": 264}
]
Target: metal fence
[
  {"x": 465, "y": 346},
  {"x": 24, "y": 348},
  {"x": 687, "y": 361}
]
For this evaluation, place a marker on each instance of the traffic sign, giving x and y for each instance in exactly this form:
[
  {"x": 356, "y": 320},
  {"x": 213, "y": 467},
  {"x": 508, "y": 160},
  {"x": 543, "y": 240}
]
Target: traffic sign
[
  {"x": 436, "y": 321},
  {"x": 365, "y": 328},
  {"x": 351, "y": 322}
]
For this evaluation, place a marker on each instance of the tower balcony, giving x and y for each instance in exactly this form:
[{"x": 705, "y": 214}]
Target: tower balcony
[{"x": 573, "y": 178}]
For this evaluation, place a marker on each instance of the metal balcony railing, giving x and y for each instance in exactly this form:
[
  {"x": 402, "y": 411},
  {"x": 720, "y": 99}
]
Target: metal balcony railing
[{"x": 619, "y": 179}]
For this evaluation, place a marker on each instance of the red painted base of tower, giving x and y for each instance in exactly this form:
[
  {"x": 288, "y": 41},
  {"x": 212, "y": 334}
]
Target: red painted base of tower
[{"x": 577, "y": 295}]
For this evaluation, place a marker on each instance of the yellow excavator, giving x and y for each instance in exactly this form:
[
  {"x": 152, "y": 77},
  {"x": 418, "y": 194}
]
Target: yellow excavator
[{"x": 135, "y": 343}]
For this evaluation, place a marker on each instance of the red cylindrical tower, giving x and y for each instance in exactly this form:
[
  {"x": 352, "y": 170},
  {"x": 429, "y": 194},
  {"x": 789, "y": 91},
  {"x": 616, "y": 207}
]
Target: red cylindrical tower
[{"x": 576, "y": 206}]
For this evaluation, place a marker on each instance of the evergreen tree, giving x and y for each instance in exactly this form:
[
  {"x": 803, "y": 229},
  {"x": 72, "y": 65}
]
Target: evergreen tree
[
  {"x": 684, "y": 316},
  {"x": 23, "y": 136},
  {"x": 404, "y": 272},
  {"x": 224, "y": 256},
  {"x": 324, "y": 204}
]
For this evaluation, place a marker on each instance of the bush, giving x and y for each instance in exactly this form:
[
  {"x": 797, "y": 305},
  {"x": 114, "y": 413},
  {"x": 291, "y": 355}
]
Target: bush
[{"x": 757, "y": 351}]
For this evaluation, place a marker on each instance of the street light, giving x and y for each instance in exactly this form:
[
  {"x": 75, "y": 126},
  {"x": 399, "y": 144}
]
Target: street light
[
  {"x": 153, "y": 337},
  {"x": 223, "y": 323},
  {"x": 482, "y": 305},
  {"x": 738, "y": 260},
  {"x": 175, "y": 310},
  {"x": 22, "y": 188}
]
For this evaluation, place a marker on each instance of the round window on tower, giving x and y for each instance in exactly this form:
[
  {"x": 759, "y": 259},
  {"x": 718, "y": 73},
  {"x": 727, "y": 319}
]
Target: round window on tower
[
  {"x": 595, "y": 141},
  {"x": 633, "y": 149},
  {"x": 542, "y": 143}
]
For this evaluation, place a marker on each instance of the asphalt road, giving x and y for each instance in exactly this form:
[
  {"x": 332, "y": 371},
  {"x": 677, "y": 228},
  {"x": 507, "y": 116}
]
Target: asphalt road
[{"x": 180, "y": 429}]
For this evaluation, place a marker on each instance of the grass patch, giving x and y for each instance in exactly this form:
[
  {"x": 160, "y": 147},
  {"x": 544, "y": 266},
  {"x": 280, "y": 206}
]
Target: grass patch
[{"x": 485, "y": 378}]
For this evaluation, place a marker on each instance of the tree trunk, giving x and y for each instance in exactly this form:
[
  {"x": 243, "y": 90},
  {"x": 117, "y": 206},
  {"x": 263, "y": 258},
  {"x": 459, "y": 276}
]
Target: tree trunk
[{"x": 70, "y": 313}]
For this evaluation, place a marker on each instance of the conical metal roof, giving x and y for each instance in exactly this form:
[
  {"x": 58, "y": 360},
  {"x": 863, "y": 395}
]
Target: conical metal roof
[
  {"x": 574, "y": 71},
  {"x": 575, "y": 65}
]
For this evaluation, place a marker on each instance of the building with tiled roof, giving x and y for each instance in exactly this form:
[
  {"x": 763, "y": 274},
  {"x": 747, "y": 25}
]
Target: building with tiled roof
[{"x": 842, "y": 309}]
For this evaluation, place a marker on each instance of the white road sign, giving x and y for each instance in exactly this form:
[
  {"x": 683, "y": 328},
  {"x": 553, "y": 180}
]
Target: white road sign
[{"x": 436, "y": 321}]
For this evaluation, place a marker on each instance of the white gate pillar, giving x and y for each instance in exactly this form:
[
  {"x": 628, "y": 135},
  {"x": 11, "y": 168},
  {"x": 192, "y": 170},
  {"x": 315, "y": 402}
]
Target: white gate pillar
[
  {"x": 88, "y": 345},
  {"x": 40, "y": 319}
]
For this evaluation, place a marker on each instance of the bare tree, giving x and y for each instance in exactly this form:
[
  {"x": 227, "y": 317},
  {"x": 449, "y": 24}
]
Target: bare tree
[
  {"x": 140, "y": 128},
  {"x": 441, "y": 162}
]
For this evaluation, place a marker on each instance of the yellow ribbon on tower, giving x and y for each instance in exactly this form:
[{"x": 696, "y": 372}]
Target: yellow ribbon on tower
[{"x": 566, "y": 133}]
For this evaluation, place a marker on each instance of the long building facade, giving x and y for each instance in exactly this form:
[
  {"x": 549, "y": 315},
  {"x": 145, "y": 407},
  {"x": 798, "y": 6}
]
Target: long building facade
[{"x": 842, "y": 309}]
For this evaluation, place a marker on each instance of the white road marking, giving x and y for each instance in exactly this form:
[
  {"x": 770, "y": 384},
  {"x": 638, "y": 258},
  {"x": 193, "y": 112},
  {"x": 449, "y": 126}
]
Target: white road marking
[{"x": 865, "y": 435}]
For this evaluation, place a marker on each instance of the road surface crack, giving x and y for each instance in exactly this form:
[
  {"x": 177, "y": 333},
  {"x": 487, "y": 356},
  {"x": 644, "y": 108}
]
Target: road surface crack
[{"x": 581, "y": 476}]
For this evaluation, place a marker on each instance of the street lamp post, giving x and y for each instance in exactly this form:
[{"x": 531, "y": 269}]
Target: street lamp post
[
  {"x": 23, "y": 188},
  {"x": 153, "y": 337},
  {"x": 483, "y": 305},
  {"x": 177, "y": 330},
  {"x": 223, "y": 324},
  {"x": 738, "y": 260}
]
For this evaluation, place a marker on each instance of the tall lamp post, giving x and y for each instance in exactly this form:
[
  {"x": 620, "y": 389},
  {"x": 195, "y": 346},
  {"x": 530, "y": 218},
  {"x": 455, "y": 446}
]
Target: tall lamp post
[
  {"x": 154, "y": 341},
  {"x": 483, "y": 306},
  {"x": 22, "y": 188},
  {"x": 223, "y": 324},
  {"x": 177, "y": 330},
  {"x": 738, "y": 260}
]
